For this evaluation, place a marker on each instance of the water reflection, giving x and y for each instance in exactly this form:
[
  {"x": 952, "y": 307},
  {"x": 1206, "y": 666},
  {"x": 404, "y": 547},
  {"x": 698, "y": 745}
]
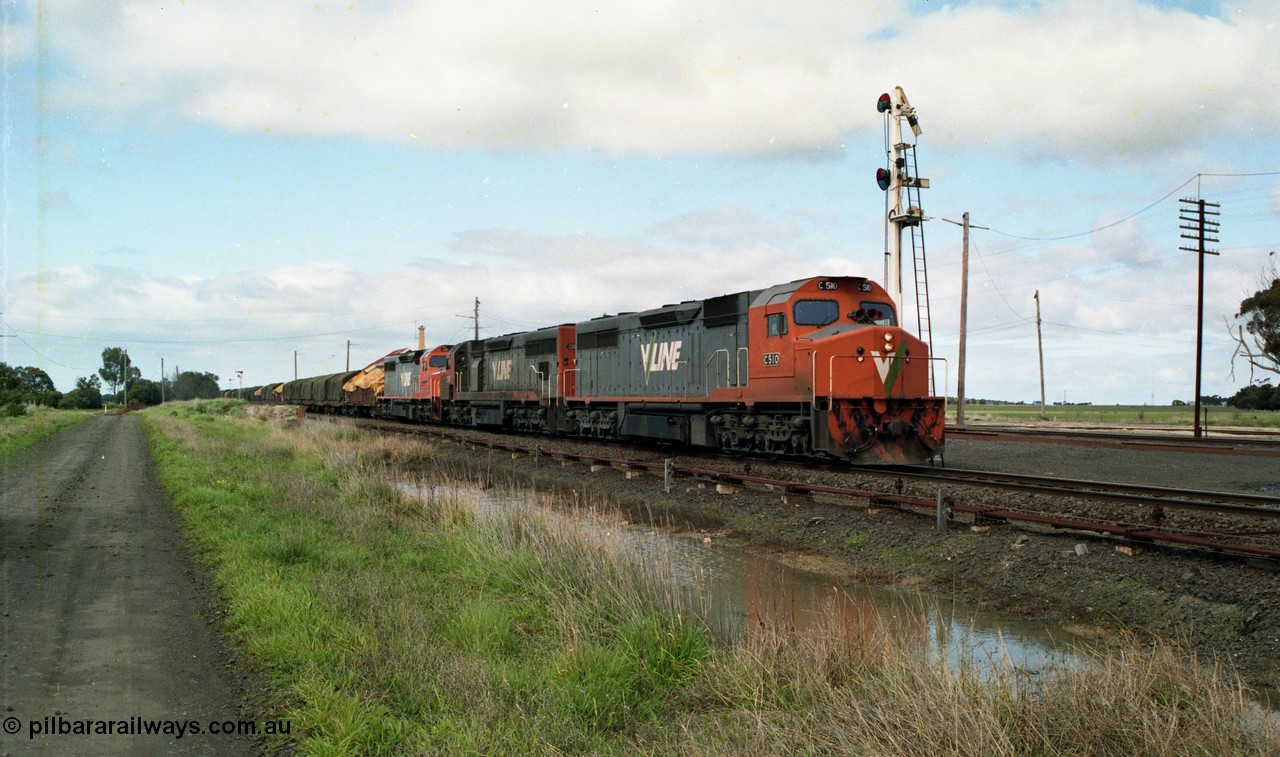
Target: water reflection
[{"x": 741, "y": 593}]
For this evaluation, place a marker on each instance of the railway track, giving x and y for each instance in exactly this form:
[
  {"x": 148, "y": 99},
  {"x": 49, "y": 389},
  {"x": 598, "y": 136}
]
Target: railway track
[
  {"x": 1240, "y": 525},
  {"x": 1225, "y": 503},
  {"x": 1222, "y": 442}
]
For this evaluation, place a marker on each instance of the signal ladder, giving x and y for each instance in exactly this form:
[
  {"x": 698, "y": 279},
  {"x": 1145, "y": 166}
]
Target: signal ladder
[
  {"x": 915, "y": 215},
  {"x": 905, "y": 215}
]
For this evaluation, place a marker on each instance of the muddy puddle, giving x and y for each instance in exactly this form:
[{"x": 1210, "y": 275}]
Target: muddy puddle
[{"x": 739, "y": 592}]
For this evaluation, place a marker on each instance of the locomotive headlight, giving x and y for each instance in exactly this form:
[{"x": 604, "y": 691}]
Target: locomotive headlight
[{"x": 888, "y": 338}]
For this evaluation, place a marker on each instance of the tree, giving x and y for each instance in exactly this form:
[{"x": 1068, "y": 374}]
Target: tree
[
  {"x": 8, "y": 377},
  {"x": 144, "y": 392},
  {"x": 1262, "y": 396},
  {"x": 114, "y": 370},
  {"x": 87, "y": 395},
  {"x": 1261, "y": 314},
  {"x": 24, "y": 385},
  {"x": 191, "y": 385},
  {"x": 34, "y": 380}
]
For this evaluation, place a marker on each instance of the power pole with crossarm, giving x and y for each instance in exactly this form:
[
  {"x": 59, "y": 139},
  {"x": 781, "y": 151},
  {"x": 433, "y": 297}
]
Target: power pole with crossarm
[{"x": 1196, "y": 219}]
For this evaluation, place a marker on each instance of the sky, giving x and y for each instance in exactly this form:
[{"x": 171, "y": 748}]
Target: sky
[{"x": 240, "y": 185}]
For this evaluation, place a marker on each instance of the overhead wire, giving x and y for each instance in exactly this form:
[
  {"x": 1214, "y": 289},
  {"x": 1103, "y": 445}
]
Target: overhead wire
[
  {"x": 1136, "y": 213},
  {"x": 1006, "y": 326}
]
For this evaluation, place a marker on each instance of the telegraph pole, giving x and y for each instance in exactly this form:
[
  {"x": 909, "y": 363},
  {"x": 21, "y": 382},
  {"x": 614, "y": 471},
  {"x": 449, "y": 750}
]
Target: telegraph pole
[
  {"x": 295, "y": 365},
  {"x": 475, "y": 317},
  {"x": 348, "y": 355},
  {"x": 1040, "y": 349},
  {"x": 964, "y": 313},
  {"x": 1203, "y": 229}
]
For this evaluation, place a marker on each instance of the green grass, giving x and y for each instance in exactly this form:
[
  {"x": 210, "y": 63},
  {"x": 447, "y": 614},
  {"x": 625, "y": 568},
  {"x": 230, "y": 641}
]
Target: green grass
[
  {"x": 18, "y": 433},
  {"x": 1118, "y": 414},
  {"x": 388, "y": 627},
  {"x": 383, "y": 625}
]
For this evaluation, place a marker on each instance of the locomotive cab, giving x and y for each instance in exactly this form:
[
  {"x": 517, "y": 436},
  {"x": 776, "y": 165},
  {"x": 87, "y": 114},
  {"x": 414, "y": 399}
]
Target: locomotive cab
[
  {"x": 834, "y": 344},
  {"x": 786, "y": 320},
  {"x": 433, "y": 374}
]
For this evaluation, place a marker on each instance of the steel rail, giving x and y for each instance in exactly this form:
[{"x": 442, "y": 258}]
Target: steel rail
[
  {"x": 1260, "y": 446},
  {"x": 1129, "y": 534},
  {"x": 1226, "y": 503},
  {"x": 1223, "y": 503}
]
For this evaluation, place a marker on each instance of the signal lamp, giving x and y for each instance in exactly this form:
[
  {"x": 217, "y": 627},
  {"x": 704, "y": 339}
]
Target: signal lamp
[
  {"x": 883, "y": 178},
  {"x": 884, "y": 103}
]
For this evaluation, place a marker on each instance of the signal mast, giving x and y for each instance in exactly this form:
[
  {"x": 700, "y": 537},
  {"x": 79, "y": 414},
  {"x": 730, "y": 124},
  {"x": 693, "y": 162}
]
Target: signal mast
[{"x": 894, "y": 179}]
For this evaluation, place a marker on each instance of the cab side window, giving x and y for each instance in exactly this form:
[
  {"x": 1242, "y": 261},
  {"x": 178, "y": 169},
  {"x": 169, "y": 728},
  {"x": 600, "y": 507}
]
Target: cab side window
[{"x": 776, "y": 324}]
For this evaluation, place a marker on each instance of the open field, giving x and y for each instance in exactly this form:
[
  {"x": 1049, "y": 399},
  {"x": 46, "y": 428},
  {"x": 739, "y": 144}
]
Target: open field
[
  {"x": 383, "y": 624},
  {"x": 1117, "y": 415}
]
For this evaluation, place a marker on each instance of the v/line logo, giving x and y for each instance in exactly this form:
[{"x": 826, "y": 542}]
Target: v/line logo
[
  {"x": 660, "y": 356},
  {"x": 888, "y": 365}
]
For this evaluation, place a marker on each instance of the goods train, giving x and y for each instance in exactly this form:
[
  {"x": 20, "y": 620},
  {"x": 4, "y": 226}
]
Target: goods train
[{"x": 815, "y": 367}]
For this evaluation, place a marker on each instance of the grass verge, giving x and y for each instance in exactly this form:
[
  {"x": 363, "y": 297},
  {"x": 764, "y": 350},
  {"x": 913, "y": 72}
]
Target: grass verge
[
  {"x": 18, "y": 433},
  {"x": 389, "y": 625}
]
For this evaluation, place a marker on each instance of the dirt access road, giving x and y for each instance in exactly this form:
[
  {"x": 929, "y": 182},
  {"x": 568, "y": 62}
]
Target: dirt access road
[{"x": 103, "y": 616}]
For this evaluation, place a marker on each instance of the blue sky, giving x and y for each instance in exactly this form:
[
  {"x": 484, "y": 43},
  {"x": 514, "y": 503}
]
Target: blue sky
[{"x": 221, "y": 184}]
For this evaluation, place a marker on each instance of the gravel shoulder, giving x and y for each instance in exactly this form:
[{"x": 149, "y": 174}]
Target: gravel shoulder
[{"x": 103, "y": 614}]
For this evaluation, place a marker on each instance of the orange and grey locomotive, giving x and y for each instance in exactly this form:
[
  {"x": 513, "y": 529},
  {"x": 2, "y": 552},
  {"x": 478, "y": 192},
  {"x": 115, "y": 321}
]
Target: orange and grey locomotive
[{"x": 815, "y": 367}]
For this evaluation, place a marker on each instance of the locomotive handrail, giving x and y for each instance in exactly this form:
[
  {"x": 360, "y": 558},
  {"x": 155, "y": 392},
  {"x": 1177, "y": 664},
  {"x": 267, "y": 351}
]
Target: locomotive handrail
[
  {"x": 438, "y": 399},
  {"x": 544, "y": 386},
  {"x": 563, "y": 382},
  {"x": 946, "y": 380},
  {"x": 737, "y": 366},
  {"x": 706, "y": 370}
]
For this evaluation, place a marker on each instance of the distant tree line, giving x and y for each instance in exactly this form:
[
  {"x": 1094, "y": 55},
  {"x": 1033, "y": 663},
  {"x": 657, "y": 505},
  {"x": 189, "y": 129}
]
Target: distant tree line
[
  {"x": 126, "y": 381},
  {"x": 23, "y": 385},
  {"x": 1262, "y": 396}
]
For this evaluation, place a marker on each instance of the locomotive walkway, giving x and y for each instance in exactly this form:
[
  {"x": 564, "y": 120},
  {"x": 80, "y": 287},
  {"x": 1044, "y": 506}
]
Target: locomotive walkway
[{"x": 102, "y": 616}]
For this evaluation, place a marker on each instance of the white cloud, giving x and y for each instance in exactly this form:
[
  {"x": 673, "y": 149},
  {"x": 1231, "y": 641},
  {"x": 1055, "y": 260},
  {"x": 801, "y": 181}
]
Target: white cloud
[
  {"x": 1083, "y": 79},
  {"x": 256, "y": 319},
  {"x": 17, "y": 39},
  {"x": 725, "y": 224}
]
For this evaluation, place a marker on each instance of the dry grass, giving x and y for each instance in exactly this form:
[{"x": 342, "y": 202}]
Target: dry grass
[
  {"x": 446, "y": 628},
  {"x": 782, "y": 694}
]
